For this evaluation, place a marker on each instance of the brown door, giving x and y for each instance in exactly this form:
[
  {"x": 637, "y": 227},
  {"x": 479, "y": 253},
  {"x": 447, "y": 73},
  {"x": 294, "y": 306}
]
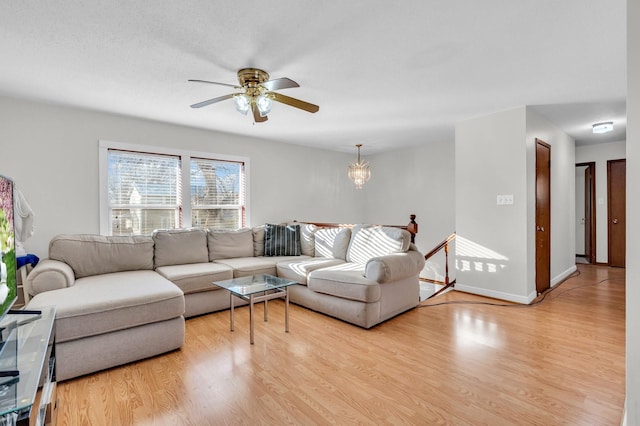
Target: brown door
[
  {"x": 543, "y": 216},
  {"x": 616, "y": 190}
]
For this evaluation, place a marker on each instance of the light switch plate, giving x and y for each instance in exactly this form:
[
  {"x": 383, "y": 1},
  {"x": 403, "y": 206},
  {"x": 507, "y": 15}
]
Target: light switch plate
[{"x": 502, "y": 200}]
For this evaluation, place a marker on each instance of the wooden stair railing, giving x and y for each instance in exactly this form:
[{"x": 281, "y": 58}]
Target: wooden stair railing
[
  {"x": 412, "y": 226},
  {"x": 444, "y": 244}
]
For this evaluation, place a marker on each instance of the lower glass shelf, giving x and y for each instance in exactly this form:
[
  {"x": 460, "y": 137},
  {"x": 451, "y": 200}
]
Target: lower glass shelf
[{"x": 29, "y": 347}]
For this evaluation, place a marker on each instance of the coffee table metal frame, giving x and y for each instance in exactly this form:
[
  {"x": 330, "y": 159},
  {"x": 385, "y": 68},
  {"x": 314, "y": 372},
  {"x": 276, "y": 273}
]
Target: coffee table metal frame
[{"x": 256, "y": 289}]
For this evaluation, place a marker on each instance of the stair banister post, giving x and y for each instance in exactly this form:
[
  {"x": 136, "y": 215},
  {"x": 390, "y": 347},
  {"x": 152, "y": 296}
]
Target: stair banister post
[
  {"x": 412, "y": 227},
  {"x": 446, "y": 264}
]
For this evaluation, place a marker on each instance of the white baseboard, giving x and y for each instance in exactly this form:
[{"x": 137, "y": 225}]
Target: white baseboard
[
  {"x": 495, "y": 294},
  {"x": 514, "y": 297},
  {"x": 563, "y": 276}
]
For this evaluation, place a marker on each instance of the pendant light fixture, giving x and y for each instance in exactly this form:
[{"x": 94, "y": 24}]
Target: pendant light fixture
[{"x": 359, "y": 171}]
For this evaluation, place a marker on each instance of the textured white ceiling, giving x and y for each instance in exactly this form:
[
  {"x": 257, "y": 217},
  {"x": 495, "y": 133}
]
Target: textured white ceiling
[{"x": 385, "y": 74}]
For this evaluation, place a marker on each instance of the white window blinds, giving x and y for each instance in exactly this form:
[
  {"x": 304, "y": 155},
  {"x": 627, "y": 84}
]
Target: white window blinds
[
  {"x": 144, "y": 192},
  {"x": 217, "y": 193}
]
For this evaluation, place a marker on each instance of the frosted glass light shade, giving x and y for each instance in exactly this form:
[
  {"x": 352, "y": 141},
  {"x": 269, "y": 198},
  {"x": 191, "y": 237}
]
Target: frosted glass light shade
[
  {"x": 264, "y": 105},
  {"x": 242, "y": 103},
  {"x": 603, "y": 127}
]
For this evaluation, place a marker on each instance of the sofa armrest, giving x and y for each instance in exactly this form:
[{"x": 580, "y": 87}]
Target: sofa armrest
[
  {"x": 394, "y": 267},
  {"x": 49, "y": 275}
]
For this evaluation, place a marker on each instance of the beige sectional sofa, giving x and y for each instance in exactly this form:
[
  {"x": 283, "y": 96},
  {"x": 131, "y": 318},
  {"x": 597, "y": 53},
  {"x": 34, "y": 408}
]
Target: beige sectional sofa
[{"x": 120, "y": 299}]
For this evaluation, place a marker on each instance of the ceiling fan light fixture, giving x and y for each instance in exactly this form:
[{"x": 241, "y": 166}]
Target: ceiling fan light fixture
[
  {"x": 258, "y": 94},
  {"x": 604, "y": 127},
  {"x": 242, "y": 103},
  {"x": 263, "y": 102},
  {"x": 359, "y": 171}
]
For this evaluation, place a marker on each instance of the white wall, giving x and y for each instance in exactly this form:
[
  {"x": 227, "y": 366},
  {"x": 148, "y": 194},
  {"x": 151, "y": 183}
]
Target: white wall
[
  {"x": 563, "y": 163},
  {"x": 491, "y": 247},
  {"x": 420, "y": 181},
  {"x": 633, "y": 213},
  {"x": 52, "y": 154},
  {"x": 495, "y": 251},
  {"x": 580, "y": 210},
  {"x": 600, "y": 154}
]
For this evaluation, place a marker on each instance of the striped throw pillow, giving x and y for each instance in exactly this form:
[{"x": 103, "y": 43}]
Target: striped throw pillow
[{"x": 281, "y": 240}]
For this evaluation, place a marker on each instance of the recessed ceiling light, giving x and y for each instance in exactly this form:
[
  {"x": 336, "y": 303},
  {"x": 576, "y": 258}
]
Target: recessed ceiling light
[{"x": 605, "y": 127}]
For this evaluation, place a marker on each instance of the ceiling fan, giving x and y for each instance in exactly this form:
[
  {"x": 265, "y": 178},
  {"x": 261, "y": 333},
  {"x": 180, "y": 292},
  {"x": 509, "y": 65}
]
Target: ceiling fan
[{"x": 257, "y": 94}]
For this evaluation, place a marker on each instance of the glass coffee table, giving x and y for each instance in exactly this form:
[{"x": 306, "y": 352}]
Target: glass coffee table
[{"x": 256, "y": 289}]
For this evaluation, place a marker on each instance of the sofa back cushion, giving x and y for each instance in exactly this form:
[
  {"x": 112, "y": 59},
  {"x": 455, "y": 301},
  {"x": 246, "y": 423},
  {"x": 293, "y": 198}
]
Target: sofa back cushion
[
  {"x": 228, "y": 244},
  {"x": 372, "y": 241},
  {"x": 307, "y": 239},
  {"x": 91, "y": 255},
  {"x": 332, "y": 242},
  {"x": 180, "y": 247},
  {"x": 258, "y": 240}
]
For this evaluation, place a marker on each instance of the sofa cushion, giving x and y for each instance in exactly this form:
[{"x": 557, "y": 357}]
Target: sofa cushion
[
  {"x": 245, "y": 266},
  {"x": 332, "y": 242},
  {"x": 229, "y": 244},
  {"x": 298, "y": 269},
  {"x": 307, "y": 239},
  {"x": 373, "y": 241},
  {"x": 258, "y": 240},
  {"x": 109, "y": 302},
  {"x": 196, "y": 277},
  {"x": 345, "y": 281},
  {"x": 180, "y": 246},
  {"x": 281, "y": 240},
  {"x": 96, "y": 254}
]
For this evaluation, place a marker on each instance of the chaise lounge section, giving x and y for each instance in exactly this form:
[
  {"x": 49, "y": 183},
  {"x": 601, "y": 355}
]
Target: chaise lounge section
[
  {"x": 111, "y": 306},
  {"x": 363, "y": 275}
]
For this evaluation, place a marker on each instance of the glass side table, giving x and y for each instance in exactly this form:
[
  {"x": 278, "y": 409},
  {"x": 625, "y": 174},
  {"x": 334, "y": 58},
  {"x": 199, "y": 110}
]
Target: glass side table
[
  {"x": 256, "y": 289},
  {"x": 28, "y": 348}
]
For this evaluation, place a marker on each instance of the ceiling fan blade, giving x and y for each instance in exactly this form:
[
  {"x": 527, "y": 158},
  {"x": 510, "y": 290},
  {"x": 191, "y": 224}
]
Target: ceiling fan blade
[
  {"x": 280, "y": 83},
  {"x": 297, "y": 103},
  {"x": 256, "y": 114},
  {"x": 215, "y": 82},
  {"x": 213, "y": 101}
]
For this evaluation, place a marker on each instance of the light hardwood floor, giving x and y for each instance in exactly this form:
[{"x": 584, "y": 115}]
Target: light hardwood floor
[{"x": 561, "y": 361}]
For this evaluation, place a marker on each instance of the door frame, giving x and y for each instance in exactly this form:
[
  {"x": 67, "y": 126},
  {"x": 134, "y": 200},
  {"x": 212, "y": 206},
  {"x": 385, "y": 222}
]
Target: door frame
[
  {"x": 543, "y": 283},
  {"x": 590, "y": 204}
]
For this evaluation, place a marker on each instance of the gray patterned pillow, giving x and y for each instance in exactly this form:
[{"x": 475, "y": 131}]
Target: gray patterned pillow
[{"x": 281, "y": 240}]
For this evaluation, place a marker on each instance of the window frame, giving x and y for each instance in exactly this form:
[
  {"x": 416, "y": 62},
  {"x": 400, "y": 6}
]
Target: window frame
[{"x": 185, "y": 156}]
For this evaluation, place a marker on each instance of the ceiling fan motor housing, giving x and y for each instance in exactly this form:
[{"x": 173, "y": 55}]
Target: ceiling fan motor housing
[{"x": 252, "y": 77}]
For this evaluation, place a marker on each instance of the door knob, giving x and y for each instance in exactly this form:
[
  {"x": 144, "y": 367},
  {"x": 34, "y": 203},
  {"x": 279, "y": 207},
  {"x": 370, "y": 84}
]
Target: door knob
[
  {"x": 540, "y": 228},
  {"x": 615, "y": 221}
]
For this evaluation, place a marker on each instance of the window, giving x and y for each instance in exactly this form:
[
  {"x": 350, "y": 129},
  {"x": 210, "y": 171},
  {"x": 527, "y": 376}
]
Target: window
[
  {"x": 142, "y": 191},
  {"x": 217, "y": 193}
]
